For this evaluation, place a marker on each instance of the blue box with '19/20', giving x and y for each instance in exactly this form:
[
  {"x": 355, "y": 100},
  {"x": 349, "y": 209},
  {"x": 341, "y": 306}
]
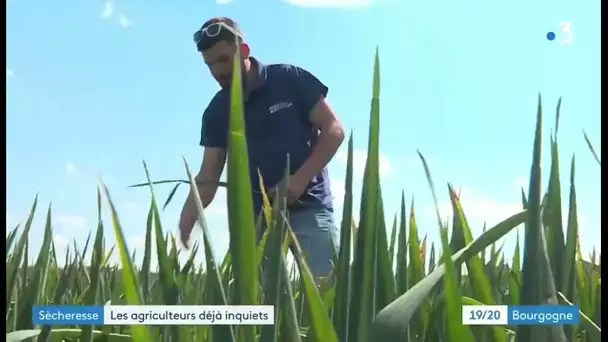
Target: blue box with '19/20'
[{"x": 67, "y": 314}]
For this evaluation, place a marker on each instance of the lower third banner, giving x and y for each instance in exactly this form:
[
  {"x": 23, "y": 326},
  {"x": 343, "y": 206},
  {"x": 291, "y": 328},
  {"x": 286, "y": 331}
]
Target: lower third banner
[{"x": 153, "y": 315}]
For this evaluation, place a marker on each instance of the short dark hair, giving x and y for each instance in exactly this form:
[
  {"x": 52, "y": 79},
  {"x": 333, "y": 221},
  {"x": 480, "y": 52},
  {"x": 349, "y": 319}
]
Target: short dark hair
[{"x": 208, "y": 42}]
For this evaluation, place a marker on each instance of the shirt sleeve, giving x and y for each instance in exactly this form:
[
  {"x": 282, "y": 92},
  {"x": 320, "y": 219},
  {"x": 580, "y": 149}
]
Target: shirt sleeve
[
  {"x": 308, "y": 89},
  {"x": 214, "y": 128}
]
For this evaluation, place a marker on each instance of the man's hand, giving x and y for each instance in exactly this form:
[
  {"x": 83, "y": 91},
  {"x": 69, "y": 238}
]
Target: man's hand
[
  {"x": 329, "y": 140},
  {"x": 331, "y": 137},
  {"x": 295, "y": 189},
  {"x": 207, "y": 179}
]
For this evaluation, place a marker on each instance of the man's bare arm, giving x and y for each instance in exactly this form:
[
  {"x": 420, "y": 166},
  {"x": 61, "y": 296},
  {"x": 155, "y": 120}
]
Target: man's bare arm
[
  {"x": 332, "y": 135},
  {"x": 214, "y": 159}
]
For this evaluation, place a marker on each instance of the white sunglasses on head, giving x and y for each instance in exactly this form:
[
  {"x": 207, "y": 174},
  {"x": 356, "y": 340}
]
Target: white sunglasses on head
[{"x": 213, "y": 30}]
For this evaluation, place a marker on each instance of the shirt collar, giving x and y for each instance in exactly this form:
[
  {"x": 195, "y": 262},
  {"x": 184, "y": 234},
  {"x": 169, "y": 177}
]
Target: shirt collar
[
  {"x": 261, "y": 75},
  {"x": 258, "y": 80}
]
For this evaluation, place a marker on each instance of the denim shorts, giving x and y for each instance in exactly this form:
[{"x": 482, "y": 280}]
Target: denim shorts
[{"x": 313, "y": 227}]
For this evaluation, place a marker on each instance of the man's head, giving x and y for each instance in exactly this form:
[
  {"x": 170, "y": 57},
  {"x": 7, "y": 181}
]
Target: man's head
[{"x": 217, "y": 40}]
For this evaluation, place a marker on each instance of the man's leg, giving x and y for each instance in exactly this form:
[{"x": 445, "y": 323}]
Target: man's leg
[{"x": 312, "y": 227}]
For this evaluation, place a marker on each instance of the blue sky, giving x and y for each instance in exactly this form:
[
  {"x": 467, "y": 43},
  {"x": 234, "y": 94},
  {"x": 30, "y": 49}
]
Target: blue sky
[{"x": 93, "y": 88}]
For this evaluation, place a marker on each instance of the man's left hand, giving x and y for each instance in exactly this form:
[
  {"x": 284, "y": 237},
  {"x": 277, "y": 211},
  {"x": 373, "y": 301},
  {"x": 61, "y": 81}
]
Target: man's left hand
[{"x": 295, "y": 189}]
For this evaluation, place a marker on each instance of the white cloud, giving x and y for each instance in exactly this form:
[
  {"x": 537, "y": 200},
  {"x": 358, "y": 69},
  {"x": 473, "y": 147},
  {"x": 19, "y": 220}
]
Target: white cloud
[
  {"x": 223, "y": 2},
  {"x": 359, "y": 160},
  {"x": 9, "y": 72},
  {"x": 124, "y": 21},
  {"x": 70, "y": 222},
  {"x": 478, "y": 209},
  {"x": 521, "y": 182},
  {"x": 60, "y": 241},
  {"x": 108, "y": 9},
  {"x": 132, "y": 207},
  {"x": 70, "y": 168},
  {"x": 136, "y": 242},
  {"x": 330, "y": 3}
]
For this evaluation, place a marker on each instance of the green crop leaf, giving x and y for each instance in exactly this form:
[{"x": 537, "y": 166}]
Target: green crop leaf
[{"x": 538, "y": 287}]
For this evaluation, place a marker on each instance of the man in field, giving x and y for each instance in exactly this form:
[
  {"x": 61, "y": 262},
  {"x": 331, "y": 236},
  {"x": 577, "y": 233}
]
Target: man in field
[{"x": 285, "y": 113}]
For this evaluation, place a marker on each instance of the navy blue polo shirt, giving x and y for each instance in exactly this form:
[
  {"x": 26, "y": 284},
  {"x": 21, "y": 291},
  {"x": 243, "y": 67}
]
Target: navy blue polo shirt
[{"x": 276, "y": 124}]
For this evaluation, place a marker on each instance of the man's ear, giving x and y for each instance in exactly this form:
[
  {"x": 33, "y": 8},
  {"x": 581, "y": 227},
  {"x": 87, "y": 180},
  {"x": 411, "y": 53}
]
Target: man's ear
[{"x": 244, "y": 50}]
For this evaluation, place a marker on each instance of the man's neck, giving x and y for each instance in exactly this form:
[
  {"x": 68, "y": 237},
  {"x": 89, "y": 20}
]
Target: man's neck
[
  {"x": 250, "y": 75},
  {"x": 249, "y": 79}
]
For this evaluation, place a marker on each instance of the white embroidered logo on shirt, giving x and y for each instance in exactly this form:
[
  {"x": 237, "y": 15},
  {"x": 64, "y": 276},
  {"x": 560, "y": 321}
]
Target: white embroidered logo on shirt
[{"x": 279, "y": 106}]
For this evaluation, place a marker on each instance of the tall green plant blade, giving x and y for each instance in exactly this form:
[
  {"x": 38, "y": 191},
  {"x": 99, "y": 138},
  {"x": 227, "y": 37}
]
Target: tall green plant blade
[
  {"x": 452, "y": 295},
  {"x": 129, "y": 281},
  {"x": 272, "y": 265},
  {"x": 401, "y": 267},
  {"x": 214, "y": 289},
  {"x": 14, "y": 261},
  {"x": 170, "y": 196},
  {"x": 393, "y": 241},
  {"x": 168, "y": 181},
  {"x": 432, "y": 258},
  {"x": 362, "y": 297},
  {"x": 343, "y": 285},
  {"x": 167, "y": 284},
  {"x": 591, "y": 329},
  {"x": 569, "y": 257},
  {"x": 391, "y": 322},
  {"x": 422, "y": 245},
  {"x": 552, "y": 212},
  {"x": 537, "y": 280},
  {"x": 179, "y": 181},
  {"x": 453, "y": 298},
  {"x": 173, "y": 191},
  {"x": 592, "y": 149},
  {"x": 595, "y": 291},
  {"x": 515, "y": 274},
  {"x": 385, "y": 279},
  {"x": 240, "y": 206},
  {"x": 289, "y": 320},
  {"x": 42, "y": 290},
  {"x": 85, "y": 249},
  {"x": 524, "y": 200},
  {"x": 10, "y": 239},
  {"x": 147, "y": 259},
  {"x": 22, "y": 335},
  {"x": 63, "y": 283},
  {"x": 415, "y": 275},
  {"x": 480, "y": 284},
  {"x": 37, "y": 282},
  {"x": 582, "y": 283},
  {"x": 457, "y": 241},
  {"x": 264, "y": 220},
  {"x": 322, "y": 329},
  {"x": 461, "y": 235},
  {"x": 96, "y": 259}
]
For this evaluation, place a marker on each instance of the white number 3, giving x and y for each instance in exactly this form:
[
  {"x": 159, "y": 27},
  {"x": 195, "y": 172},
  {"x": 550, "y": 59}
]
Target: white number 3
[{"x": 567, "y": 29}]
